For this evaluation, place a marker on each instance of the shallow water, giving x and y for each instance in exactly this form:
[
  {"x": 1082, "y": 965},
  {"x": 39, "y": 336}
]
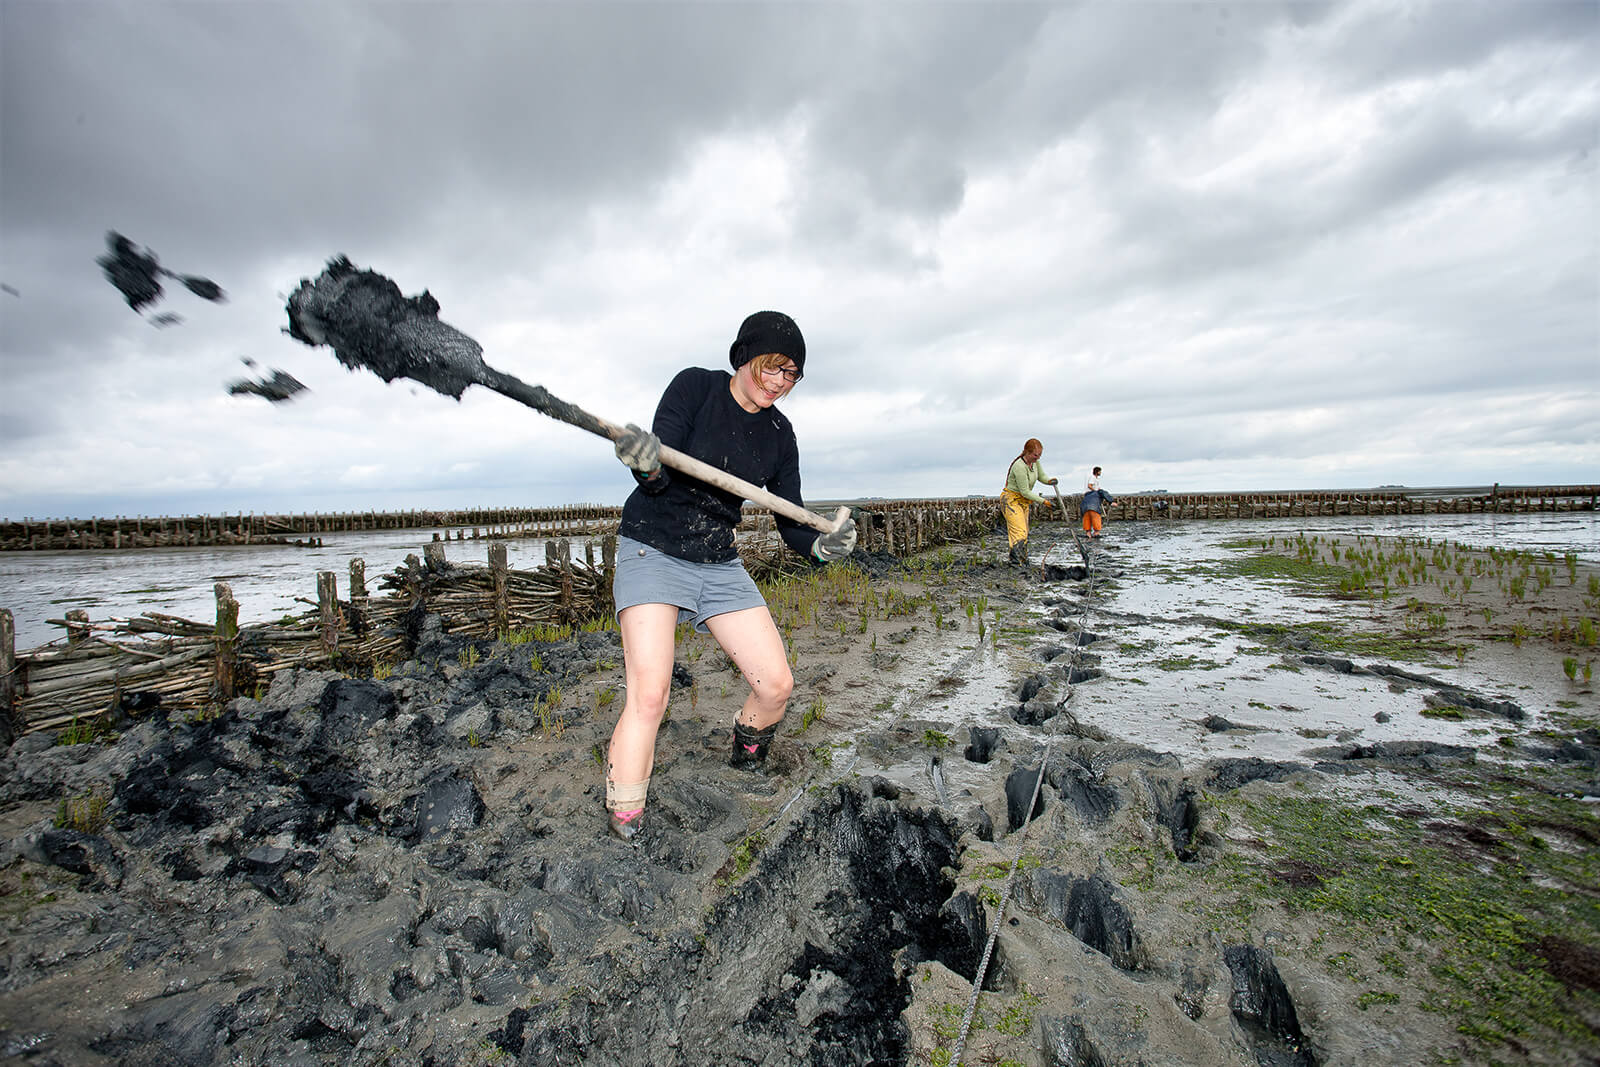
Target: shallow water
[
  {"x": 269, "y": 581},
  {"x": 1169, "y": 663}
]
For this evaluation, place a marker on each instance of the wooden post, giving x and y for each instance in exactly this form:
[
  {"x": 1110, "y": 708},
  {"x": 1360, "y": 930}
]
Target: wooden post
[
  {"x": 358, "y": 580},
  {"x": 328, "y": 609},
  {"x": 10, "y": 686},
  {"x": 77, "y": 627},
  {"x": 433, "y": 554},
  {"x": 608, "y": 570},
  {"x": 568, "y": 611},
  {"x": 226, "y": 639},
  {"x": 499, "y": 576},
  {"x": 358, "y": 598}
]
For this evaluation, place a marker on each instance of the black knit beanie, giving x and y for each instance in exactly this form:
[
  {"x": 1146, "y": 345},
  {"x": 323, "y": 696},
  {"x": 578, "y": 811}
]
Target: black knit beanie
[{"x": 768, "y": 331}]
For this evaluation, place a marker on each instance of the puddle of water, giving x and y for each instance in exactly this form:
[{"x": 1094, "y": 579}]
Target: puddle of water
[{"x": 1168, "y": 665}]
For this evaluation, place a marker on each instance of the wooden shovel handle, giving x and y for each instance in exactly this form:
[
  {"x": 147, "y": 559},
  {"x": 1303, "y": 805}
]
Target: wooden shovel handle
[{"x": 540, "y": 399}]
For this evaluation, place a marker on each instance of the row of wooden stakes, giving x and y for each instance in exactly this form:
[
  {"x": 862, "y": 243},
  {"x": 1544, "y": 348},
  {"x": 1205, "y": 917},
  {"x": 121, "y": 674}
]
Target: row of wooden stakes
[{"x": 101, "y": 670}]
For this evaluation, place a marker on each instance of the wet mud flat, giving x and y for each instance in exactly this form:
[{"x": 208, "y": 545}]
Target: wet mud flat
[{"x": 1262, "y": 834}]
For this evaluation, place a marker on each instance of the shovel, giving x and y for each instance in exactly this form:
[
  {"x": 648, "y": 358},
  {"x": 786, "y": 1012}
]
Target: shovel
[
  {"x": 1082, "y": 550},
  {"x": 361, "y": 315}
]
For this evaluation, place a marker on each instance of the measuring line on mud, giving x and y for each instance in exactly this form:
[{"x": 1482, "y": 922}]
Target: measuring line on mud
[{"x": 1027, "y": 822}]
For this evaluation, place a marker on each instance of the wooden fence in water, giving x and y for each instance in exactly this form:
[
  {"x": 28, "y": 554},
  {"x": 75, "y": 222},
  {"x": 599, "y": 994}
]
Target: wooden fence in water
[
  {"x": 187, "y": 531},
  {"x": 1494, "y": 499},
  {"x": 102, "y": 670},
  {"x": 593, "y": 520}
]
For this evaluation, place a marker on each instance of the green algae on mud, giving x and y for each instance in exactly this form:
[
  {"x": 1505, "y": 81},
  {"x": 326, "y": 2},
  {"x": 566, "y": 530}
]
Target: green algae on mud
[
  {"x": 1486, "y": 914},
  {"x": 1333, "y": 637}
]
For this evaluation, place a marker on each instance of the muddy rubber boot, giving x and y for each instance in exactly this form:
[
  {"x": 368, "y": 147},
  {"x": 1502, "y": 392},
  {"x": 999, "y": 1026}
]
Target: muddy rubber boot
[
  {"x": 750, "y": 745},
  {"x": 1014, "y": 560},
  {"x": 625, "y": 808},
  {"x": 1022, "y": 553},
  {"x": 625, "y": 826}
]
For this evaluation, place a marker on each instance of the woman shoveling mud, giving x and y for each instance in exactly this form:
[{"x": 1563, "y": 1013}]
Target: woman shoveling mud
[{"x": 676, "y": 559}]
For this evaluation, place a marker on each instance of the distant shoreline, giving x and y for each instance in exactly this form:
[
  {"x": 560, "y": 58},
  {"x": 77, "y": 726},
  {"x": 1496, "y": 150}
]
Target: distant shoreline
[{"x": 300, "y": 522}]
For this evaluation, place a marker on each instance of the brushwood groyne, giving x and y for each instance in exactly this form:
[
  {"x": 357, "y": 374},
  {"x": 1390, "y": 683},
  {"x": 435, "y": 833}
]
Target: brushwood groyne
[
  {"x": 584, "y": 520},
  {"x": 101, "y": 671}
]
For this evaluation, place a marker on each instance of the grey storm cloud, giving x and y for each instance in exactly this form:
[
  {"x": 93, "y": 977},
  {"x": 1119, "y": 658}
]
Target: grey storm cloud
[{"x": 1239, "y": 234}]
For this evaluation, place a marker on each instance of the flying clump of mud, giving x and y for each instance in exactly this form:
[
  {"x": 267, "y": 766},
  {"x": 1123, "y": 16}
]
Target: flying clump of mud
[
  {"x": 276, "y": 387},
  {"x": 136, "y": 273}
]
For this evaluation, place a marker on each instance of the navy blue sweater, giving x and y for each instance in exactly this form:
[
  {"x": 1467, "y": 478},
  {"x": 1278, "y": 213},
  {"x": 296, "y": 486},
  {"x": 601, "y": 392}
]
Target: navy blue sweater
[{"x": 689, "y": 519}]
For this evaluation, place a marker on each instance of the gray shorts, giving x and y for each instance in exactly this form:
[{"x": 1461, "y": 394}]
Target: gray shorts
[{"x": 647, "y": 575}]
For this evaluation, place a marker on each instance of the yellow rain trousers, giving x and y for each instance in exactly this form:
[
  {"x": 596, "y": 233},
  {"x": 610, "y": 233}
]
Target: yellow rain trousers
[{"x": 1015, "y": 508}]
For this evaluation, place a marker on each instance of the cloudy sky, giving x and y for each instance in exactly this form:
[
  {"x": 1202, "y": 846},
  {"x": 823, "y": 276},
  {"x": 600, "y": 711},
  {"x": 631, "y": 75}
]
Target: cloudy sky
[{"x": 1208, "y": 246}]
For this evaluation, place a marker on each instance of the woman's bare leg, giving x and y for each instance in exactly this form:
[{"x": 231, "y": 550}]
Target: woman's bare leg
[
  {"x": 751, "y": 640},
  {"x": 648, "y": 635}
]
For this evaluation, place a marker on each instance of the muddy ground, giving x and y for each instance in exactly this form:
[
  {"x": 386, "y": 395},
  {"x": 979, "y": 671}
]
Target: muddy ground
[{"x": 1282, "y": 819}]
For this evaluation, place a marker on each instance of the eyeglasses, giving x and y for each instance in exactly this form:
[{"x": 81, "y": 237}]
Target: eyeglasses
[{"x": 789, "y": 374}]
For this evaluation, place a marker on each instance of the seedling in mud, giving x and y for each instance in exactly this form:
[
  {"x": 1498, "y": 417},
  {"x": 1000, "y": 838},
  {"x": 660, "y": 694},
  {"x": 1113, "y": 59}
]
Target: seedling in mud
[
  {"x": 549, "y": 711},
  {"x": 604, "y": 698},
  {"x": 936, "y": 739},
  {"x": 81, "y": 733},
  {"x": 86, "y": 813},
  {"x": 1569, "y": 667},
  {"x": 813, "y": 714},
  {"x": 550, "y": 633},
  {"x": 536, "y": 663},
  {"x": 469, "y": 656}
]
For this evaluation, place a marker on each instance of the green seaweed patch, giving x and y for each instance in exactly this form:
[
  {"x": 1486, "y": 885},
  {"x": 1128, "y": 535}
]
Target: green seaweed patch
[
  {"x": 1186, "y": 663},
  {"x": 1448, "y": 711},
  {"x": 1323, "y": 579},
  {"x": 740, "y": 862},
  {"x": 1330, "y": 637},
  {"x": 1564, "y": 723},
  {"x": 1375, "y": 996},
  {"x": 1476, "y": 901}
]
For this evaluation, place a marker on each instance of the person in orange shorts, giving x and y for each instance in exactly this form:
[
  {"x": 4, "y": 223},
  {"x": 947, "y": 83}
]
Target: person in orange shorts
[{"x": 1095, "y": 499}]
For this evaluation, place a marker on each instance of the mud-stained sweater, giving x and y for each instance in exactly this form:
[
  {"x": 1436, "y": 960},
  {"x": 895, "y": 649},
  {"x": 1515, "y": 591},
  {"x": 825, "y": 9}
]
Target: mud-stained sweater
[{"x": 690, "y": 519}]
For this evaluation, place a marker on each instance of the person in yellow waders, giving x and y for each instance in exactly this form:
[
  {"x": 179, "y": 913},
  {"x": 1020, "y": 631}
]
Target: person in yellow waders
[{"x": 1025, "y": 472}]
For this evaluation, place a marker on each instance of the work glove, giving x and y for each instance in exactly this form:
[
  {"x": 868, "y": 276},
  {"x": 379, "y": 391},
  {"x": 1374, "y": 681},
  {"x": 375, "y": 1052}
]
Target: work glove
[
  {"x": 831, "y": 547},
  {"x": 639, "y": 450}
]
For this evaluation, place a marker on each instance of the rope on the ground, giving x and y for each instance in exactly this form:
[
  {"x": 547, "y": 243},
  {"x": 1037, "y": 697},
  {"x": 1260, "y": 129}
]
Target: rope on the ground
[{"x": 1038, "y": 781}]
